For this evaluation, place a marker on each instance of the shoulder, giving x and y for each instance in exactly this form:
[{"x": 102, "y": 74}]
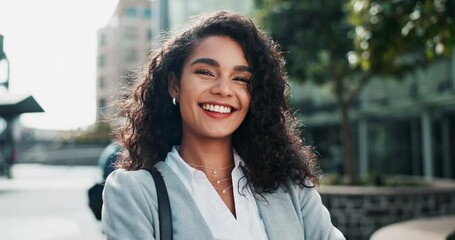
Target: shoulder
[
  {"x": 301, "y": 194},
  {"x": 308, "y": 195},
  {"x": 129, "y": 205},
  {"x": 315, "y": 216},
  {"x": 120, "y": 176},
  {"x": 306, "y": 198},
  {"x": 137, "y": 184}
]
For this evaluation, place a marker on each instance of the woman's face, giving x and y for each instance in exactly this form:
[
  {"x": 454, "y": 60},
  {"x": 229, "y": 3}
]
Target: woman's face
[{"x": 213, "y": 94}]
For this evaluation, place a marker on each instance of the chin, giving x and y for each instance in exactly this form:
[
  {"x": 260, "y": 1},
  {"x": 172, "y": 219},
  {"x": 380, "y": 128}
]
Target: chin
[{"x": 219, "y": 135}]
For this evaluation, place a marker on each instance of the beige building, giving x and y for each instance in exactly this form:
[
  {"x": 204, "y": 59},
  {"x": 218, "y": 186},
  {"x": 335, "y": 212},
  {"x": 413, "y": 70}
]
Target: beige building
[{"x": 122, "y": 49}]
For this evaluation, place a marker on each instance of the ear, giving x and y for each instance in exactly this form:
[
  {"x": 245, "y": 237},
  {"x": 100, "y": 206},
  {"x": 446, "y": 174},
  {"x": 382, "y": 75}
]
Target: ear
[{"x": 173, "y": 85}]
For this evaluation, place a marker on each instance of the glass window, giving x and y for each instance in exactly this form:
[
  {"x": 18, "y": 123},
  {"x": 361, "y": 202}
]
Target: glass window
[
  {"x": 101, "y": 82},
  {"x": 131, "y": 12},
  {"x": 102, "y": 39},
  {"x": 101, "y": 61},
  {"x": 148, "y": 13}
]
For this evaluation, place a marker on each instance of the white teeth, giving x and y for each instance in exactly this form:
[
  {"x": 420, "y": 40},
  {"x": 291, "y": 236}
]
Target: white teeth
[{"x": 216, "y": 108}]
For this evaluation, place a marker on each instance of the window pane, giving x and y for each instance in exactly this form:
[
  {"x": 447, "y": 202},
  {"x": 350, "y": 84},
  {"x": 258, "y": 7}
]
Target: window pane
[
  {"x": 131, "y": 12},
  {"x": 148, "y": 13},
  {"x": 102, "y": 39},
  {"x": 101, "y": 61},
  {"x": 101, "y": 82}
]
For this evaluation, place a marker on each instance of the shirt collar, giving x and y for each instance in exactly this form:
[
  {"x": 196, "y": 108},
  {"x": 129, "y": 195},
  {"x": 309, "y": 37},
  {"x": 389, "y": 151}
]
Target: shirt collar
[
  {"x": 179, "y": 166},
  {"x": 238, "y": 160},
  {"x": 188, "y": 173}
]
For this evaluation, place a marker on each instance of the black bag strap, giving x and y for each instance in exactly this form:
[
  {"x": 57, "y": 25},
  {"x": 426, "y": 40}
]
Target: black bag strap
[{"x": 164, "y": 207}]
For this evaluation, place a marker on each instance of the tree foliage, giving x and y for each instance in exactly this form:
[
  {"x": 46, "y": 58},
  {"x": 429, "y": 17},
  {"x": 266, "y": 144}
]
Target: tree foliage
[
  {"x": 310, "y": 33},
  {"x": 345, "y": 43},
  {"x": 395, "y": 37},
  {"x": 382, "y": 37}
]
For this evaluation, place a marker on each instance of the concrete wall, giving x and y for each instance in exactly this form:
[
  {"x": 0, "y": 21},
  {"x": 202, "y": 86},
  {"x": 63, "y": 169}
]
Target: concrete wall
[{"x": 359, "y": 211}]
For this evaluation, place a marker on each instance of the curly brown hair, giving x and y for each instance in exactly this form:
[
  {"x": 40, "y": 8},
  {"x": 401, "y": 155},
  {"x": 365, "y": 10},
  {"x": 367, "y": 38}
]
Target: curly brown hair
[{"x": 269, "y": 138}]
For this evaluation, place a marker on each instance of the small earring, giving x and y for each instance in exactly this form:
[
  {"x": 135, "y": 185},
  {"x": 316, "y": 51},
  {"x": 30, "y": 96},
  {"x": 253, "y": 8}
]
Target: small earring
[{"x": 174, "y": 101}]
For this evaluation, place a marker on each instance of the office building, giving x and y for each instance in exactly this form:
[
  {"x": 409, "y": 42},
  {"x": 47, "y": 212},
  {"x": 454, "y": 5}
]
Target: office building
[{"x": 122, "y": 49}]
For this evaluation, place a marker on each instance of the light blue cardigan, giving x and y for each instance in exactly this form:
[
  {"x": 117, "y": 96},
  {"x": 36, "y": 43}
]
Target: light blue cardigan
[{"x": 130, "y": 210}]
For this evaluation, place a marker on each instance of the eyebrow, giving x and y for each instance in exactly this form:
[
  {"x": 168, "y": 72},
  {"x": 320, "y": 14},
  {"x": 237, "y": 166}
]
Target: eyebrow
[{"x": 214, "y": 63}]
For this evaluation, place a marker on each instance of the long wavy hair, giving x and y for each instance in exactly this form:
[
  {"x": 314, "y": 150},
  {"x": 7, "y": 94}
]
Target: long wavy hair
[{"x": 268, "y": 140}]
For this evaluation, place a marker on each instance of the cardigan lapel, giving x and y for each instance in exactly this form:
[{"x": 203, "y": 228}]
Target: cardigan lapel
[
  {"x": 188, "y": 222},
  {"x": 280, "y": 216}
]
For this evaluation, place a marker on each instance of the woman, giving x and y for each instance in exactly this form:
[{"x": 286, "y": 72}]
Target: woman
[{"x": 210, "y": 114}]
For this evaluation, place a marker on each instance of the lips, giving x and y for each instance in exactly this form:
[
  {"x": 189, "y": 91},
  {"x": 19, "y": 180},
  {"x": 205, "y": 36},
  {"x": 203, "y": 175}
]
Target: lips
[{"x": 217, "y": 108}]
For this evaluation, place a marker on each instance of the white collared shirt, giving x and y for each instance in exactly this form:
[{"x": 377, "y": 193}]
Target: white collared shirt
[{"x": 216, "y": 214}]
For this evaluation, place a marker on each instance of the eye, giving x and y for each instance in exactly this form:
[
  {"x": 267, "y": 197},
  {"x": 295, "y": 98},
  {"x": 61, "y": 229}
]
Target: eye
[
  {"x": 204, "y": 72},
  {"x": 242, "y": 79}
]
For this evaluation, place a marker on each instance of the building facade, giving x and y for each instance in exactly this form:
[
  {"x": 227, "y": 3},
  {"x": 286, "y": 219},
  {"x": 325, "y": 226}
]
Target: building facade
[
  {"x": 122, "y": 49},
  {"x": 399, "y": 126},
  {"x": 173, "y": 13}
]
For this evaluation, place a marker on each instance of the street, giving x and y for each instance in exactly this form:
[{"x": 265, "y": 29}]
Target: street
[{"x": 44, "y": 202}]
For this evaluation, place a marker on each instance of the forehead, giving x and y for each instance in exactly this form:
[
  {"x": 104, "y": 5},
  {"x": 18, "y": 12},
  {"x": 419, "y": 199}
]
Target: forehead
[{"x": 222, "y": 49}]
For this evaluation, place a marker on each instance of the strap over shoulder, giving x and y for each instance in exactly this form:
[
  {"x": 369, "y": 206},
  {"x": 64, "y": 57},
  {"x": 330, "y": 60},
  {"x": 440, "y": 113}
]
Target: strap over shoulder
[{"x": 164, "y": 207}]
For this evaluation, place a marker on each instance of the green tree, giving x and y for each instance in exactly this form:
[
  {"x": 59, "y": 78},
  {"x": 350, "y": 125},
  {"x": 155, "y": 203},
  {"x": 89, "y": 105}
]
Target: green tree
[
  {"x": 346, "y": 43},
  {"x": 395, "y": 37}
]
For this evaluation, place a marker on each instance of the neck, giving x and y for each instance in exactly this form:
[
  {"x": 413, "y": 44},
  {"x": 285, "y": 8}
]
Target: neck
[{"x": 211, "y": 153}]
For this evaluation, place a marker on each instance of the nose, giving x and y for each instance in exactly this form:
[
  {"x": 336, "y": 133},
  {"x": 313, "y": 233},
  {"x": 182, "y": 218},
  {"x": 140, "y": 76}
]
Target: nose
[{"x": 223, "y": 87}]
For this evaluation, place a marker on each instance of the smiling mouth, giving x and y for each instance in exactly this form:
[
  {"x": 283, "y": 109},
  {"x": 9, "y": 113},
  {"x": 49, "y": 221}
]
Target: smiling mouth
[{"x": 217, "y": 108}]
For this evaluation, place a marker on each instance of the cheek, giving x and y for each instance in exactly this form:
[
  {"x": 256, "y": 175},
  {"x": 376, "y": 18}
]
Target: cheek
[
  {"x": 186, "y": 103},
  {"x": 187, "y": 90},
  {"x": 245, "y": 98},
  {"x": 188, "y": 100}
]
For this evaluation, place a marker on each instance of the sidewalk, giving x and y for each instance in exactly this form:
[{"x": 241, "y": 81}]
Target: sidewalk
[{"x": 44, "y": 202}]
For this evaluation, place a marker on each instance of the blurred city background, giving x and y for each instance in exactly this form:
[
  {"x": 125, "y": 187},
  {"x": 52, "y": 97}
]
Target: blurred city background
[{"x": 373, "y": 82}]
